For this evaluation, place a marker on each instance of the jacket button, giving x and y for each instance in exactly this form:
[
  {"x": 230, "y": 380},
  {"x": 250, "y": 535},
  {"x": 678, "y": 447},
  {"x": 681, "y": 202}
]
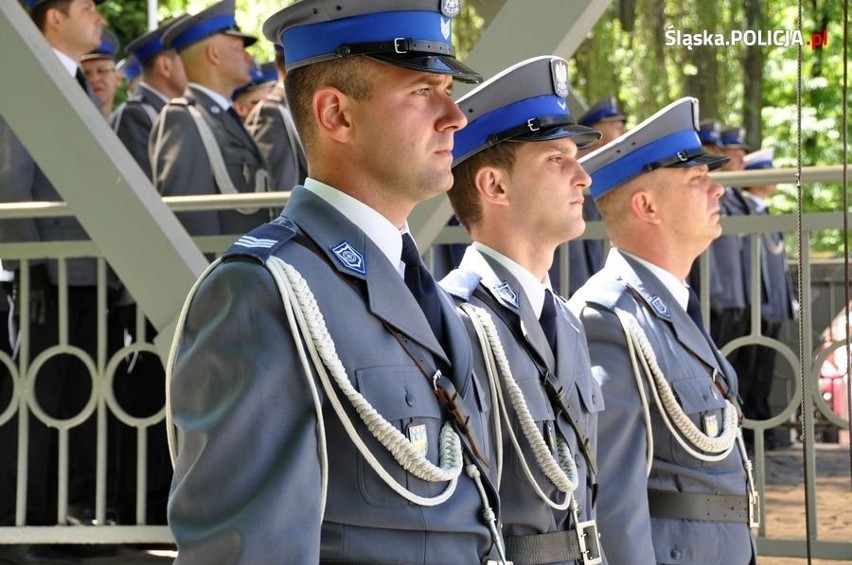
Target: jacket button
[
  {"x": 676, "y": 553},
  {"x": 410, "y": 399}
]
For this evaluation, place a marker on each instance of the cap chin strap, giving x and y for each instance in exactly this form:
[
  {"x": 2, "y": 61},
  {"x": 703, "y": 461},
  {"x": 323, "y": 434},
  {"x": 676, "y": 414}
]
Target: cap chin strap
[
  {"x": 676, "y": 159},
  {"x": 397, "y": 46},
  {"x": 532, "y": 125}
]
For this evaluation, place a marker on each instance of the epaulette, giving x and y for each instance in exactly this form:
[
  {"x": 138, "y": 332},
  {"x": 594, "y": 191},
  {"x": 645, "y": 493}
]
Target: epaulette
[
  {"x": 263, "y": 241},
  {"x": 604, "y": 293},
  {"x": 461, "y": 283}
]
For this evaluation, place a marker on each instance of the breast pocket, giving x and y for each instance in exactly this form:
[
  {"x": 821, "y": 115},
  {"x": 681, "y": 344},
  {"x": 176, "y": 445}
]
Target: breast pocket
[
  {"x": 702, "y": 402},
  {"x": 403, "y": 396}
]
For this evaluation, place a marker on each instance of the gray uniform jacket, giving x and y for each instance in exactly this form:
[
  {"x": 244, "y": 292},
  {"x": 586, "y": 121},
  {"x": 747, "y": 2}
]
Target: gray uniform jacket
[
  {"x": 272, "y": 127},
  {"x": 181, "y": 166},
  {"x": 22, "y": 180},
  {"x": 628, "y": 533},
  {"x": 524, "y": 513},
  {"x": 247, "y": 480},
  {"x": 132, "y": 123}
]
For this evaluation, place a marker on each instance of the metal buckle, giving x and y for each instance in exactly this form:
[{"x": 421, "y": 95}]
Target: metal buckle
[
  {"x": 588, "y": 539},
  {"x": 400, "y": 45},
  {"x": 533, "y": 124},
  {"x": 682, "y": 156},
  {"x": 753, "y": 509}
]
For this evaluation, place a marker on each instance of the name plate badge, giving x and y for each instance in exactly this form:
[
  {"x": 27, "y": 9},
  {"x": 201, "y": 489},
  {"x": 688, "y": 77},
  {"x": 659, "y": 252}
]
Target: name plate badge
[{"x": 418, "y": 437}]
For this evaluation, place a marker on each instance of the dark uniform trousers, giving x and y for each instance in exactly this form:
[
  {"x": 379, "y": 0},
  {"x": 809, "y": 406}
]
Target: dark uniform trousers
[
  {"x": 63, "y": 383},
  {"x": 140, "y": 379}
]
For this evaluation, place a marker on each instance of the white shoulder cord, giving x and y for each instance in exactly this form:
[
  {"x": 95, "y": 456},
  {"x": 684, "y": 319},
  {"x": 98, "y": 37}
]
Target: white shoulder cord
[
  {"x": 491, "y": 369},
  {"x": 217, "y": 161},
  {"x": 563, "y": 474},
  {"x": 643, "y": 398},
  {"x": 322, "y": 350},
  {"x": 670, "y": 410}
]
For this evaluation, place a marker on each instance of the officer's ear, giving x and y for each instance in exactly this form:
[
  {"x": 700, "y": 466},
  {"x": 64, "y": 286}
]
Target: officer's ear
[
  {"x": 643, "y": 205},
  {"x": 490, "y": 184},
  {"x": 332, "y": 113}
]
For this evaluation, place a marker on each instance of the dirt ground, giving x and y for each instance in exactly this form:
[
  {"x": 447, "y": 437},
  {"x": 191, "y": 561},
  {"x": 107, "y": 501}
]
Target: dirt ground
[{"x": 785, "y": 499}]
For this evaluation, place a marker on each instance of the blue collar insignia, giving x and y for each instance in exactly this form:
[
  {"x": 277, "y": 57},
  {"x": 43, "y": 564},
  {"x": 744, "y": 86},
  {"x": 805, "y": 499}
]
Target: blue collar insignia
[
  {"x": 660, "y": 306},
  {"x": 349, "y": 257},
  {"x": 507, "y": 294}
]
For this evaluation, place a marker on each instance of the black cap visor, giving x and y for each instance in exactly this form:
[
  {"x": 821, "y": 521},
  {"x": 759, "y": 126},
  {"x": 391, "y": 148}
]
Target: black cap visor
[
  {"x": 431, "y": 63},
  {"x": 248, "y": 40},
  {"x": 692, "y": 158},
  {"x": 581, "y": 135}
]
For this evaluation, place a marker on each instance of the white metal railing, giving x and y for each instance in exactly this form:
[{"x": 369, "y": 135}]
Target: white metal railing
[{"x": 103, "y": 402}]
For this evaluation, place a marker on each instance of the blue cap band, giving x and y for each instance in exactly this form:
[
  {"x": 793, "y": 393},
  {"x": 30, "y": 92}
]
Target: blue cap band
[
  {"x": 622, "y": 170},
  {"x": 598, "y": 116},
  {"x": 149, "y": 49},
  {"x": 708, "y": 136},
  {"x": 733, "y": 140},
  {"x": 304, "y": 43},
  {"x": 132, "y": 70},
  {"x": 759, "y": 165},
  {"x": 475, "y": 134},
  {"x": 203, "y": 30}
]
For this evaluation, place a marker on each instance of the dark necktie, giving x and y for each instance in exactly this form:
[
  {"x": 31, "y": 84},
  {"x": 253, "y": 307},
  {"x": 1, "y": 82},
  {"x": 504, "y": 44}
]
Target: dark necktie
[
  {"x": 693, "y": 308},
  {"x": 81, "y": 80},
  {"x": 422, "y": 286},
  {"x": 548, "y": 319},
  {"x": 233, "y": 113}
]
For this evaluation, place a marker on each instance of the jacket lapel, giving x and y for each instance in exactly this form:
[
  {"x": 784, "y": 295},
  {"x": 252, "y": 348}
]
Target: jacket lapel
[
  {"x": 663, "y": 306},
  {"x": 513, "y": 301},
  {"x": 353, "y": 254}
]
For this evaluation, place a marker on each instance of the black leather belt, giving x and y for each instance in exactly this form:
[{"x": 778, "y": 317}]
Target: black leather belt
[
  {"x": 702, "y": 507},
  {"x": 580, "y": 545}
]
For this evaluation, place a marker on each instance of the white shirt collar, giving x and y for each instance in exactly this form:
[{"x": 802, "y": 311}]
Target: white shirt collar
[
  {"x": 154, "y": 91},
  {"x": 218, "y": 98},
  {"x": 70, "y": 64},
  {"x": 678, "y": 288},
  {"x": 532, "y": 287},
  {"x": 760, "y": 203},
  {"x": 386, "y": 236}
]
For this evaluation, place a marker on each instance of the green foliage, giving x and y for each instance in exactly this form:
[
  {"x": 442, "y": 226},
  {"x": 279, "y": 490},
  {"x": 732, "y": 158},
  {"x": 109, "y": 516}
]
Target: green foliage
[{"x": 626, "y": 55}]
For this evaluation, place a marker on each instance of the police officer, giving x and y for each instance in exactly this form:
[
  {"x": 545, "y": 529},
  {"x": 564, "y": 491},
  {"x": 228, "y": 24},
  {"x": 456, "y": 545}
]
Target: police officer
[
  {"x": 101, "y": 74},
  {"x": 198, "y": 144},
  {"x": 675, "y": 481},
  {"x": 363, "y": 444},
  {"x": 62, "y": 386},
  {"x": 163, "y": 78},
  {"x": 518, "y": 190},
  {"x": 585, "y": 256},
  {"x": 271, "y": 125},
  {"x": 777, "y": 297}
]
